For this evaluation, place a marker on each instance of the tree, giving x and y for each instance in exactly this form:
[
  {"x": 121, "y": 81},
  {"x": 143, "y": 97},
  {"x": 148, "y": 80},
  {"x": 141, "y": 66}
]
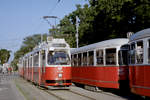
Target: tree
[
  {"x": 67, "y": 26},
  {"x": 106, "y": 19},
  {"x": 4, "y": 56},
  {"x": 115, "y": 18}
]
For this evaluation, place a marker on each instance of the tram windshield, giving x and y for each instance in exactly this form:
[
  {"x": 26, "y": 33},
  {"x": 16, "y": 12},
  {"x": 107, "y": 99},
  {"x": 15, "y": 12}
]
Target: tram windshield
[{"x": 58, "y": 58}]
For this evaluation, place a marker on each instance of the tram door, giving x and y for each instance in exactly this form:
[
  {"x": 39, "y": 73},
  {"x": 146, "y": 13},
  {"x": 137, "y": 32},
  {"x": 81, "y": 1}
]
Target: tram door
[
  {"x": 123, "y": 55},
  {"x": 43, "y": 64},
  {"x": 123, "y": 62}
]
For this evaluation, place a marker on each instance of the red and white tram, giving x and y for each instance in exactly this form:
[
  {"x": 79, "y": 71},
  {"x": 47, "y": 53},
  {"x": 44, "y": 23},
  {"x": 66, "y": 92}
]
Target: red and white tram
[
  {"x": 49, "y": 64},
  {"x": 20, "y": 67},
  {"x": 139, "y": 62},
  {"x": 102, "y": 64}
]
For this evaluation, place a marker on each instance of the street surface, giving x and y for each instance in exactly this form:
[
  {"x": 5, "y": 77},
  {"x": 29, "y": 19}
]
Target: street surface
[
  {"x": 12, "y": 87},
  {"x": 8, "y": 90}
]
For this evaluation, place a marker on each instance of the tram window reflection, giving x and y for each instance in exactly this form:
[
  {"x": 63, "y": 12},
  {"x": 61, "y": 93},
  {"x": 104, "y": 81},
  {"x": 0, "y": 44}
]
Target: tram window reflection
[
  {"x": 91, "y": 58},
  {"x": 84, "y": 58},
  {"x": 132, "y": 53},
  {"x": 99, "y": 57},
  {"x": 79, "y": 59},
  {"x": 139, "y": 52},
  {"x": 36, "y": 60},
  {"x": 30, "y": 61},
  {"x": 43, "y": 58},
  {"x": 111, "y": 56},
  {"x": 58, "y": 58},
  {"x": 75, "y": 60}
]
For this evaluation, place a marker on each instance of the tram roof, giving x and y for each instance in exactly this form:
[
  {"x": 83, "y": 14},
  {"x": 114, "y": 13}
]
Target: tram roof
[
  {"x": 53, "y": 42},
  {"x": 103, "y": 44},
  {"x": 140, "y": 34}
]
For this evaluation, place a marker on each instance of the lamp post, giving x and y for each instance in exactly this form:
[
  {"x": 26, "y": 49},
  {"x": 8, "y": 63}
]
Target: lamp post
[{"x": 77, "y": 32}]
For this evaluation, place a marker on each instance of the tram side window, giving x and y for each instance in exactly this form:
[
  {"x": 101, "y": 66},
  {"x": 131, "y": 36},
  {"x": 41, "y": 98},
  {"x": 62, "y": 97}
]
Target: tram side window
[
  {"x": 91, "y": 58},
  {"x": 99, "y": 57},
  {"x": 75, "y": 60},
  {"x": 24, "y": 63},
  {"x": 149, "y": 51},
  {"x": 132, "y": 53},
  {"x": 72, "y": 60},
  {"x": 84, "y": 59},
  {"x": 139, "y": 52},
  {"x": 111, "y": 56},
  {"x": 79, "y": 59},
  {"x": 30, "y": 61},
  {"x": 43, "y": 58},
  {"x": 36, "y": 60}
]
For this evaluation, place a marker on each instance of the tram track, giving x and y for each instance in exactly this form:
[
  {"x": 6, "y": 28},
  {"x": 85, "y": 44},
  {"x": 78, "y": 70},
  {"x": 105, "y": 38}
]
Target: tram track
[
  {"x": 96, "y": 94},
  {"x": 81, "y": 95},
  {"x": 74, "y": 93},
  {"x": 53, "y": 94},
  {"x": 68, "y": 95}
]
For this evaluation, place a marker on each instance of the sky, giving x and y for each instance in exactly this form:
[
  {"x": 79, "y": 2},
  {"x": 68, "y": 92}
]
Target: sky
[{"x": 22, "y": 18}]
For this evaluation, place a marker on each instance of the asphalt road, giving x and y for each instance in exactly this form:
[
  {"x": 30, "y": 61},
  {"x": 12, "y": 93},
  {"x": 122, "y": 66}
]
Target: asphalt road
[
  {"x": 8, "y": 89},
  {"x": 12, "y": 87}
]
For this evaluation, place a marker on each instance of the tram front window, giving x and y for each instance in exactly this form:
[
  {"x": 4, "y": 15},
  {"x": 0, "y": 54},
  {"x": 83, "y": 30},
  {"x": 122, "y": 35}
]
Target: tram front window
[{"x": 58, "y": 58}]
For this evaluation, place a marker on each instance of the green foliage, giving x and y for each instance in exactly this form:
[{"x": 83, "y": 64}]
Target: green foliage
[
  {"x": 4, "y": 56},
  {"x": 106, "y": 19}
]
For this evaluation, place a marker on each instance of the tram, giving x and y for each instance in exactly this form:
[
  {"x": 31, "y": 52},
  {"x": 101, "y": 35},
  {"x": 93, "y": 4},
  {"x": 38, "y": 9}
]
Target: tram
[
  {"x": 102, "y": 64},
  {"x": 49, "y": 64},
  {"x": 139, "y": 62}
]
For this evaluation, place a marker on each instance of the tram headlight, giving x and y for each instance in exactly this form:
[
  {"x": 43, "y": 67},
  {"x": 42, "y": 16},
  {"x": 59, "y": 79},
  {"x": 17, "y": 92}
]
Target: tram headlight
[{"x": 60, "y": 75}]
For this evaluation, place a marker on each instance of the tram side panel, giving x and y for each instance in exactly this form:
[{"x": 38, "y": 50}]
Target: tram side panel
[
  {"x": 96, "y": 76},
  {"x": 147, "y": 79},
  {"x": 139, "y": 80},
  {"x": 109, "y": 75}
]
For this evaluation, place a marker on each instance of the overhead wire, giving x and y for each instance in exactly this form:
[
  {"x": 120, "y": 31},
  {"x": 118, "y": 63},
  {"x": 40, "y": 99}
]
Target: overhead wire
[{"x": 50, "y": 11}]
